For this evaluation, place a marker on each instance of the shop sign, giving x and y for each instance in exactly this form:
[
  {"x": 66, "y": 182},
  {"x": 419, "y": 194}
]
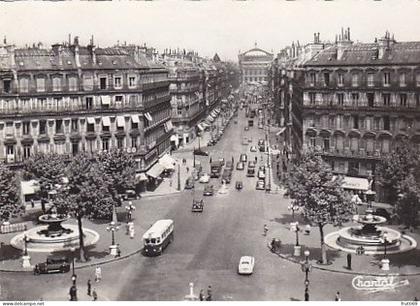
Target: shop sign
[{"x": 377, "y": 283}]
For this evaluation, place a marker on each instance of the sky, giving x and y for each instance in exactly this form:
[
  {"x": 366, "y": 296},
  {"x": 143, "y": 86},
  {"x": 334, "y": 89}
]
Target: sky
[{"x": 210, "y": 26}]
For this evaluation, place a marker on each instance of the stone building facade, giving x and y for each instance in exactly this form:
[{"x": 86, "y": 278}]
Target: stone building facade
[{"x": 254, "y": 65}]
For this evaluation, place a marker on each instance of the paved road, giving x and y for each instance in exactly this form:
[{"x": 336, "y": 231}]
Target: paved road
[{"x": 206, "y": 251}]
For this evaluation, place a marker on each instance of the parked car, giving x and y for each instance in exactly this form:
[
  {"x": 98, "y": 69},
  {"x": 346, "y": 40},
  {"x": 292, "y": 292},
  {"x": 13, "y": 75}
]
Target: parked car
[
  {"x": 250, "y": 172},
  {"x": 205, "y": 178},
  {"x": 208, "y": 190},
  {"x": 246, "y": 128},
  {"x": 239, "y": 185},
  {"x": 243, "y": 158},
  {"x": 262, "y": 168},
  {"x": 260, "y": 185},
  {"x": 245, "y": 141},
  {"x": 251, "y": 164},
  {"x": 53, "y": 264},
  {"x": 240, "y": 166},
  {"x": 197, "y": 206},
  {"x": 253, "y": 149},
  {"x": 229, "y": 165},
  {"x": 130, "y": 195},
  {"x": 261, "y": 175},
  {"x": 246, "y": 265},
  {"x": 260, "y": 142},
  {"x": 189, "y": 183}
]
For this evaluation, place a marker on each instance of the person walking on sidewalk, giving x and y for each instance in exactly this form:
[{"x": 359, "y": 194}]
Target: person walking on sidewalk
[
  {"x": 265, "y": 229},
  {"x": 89, "y": 287},
  {"x": 201, "y": 295},
  {"x": 94, "y": 295},
  {"x": 209, "y": 293},
  {"x": 98, "y": 274},
  {"x": 337, "y": 296}
]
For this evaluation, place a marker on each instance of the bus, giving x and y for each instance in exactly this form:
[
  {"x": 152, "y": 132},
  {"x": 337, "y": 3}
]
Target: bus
[{"x": 157, "y": 237}]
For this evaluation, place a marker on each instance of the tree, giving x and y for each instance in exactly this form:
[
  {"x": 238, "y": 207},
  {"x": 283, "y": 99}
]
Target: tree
[
  {"x": 10, "y": 205},
  {"x": 395, "y": 167},
  {"x": 120, "y": 167},
  {"x": 408, "y": 201},
  {"x": 48, "y": 170},
  {"x": 312, "y": 186}
]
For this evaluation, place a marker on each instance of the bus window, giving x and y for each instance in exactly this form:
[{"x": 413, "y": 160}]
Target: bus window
[
  {"x": 147, "y": 240},
  {"x": 153, "y": 240},
  {"x": 158, "y": 240}
]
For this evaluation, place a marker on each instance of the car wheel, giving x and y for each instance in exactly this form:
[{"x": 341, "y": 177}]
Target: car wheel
[{"x": 37, "y": 272}]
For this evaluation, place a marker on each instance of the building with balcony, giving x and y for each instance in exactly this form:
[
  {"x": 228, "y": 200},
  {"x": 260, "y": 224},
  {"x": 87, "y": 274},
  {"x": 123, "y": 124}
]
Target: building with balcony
[
  {"x": 254, "y": 65},
  {"x": 73, "y": 98},
  {"x": 360, "y": 100}
]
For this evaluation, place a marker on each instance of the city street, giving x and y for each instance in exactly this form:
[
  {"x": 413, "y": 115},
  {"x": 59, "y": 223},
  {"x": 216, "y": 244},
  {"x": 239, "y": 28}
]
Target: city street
[{"x": 206, "y": 249}]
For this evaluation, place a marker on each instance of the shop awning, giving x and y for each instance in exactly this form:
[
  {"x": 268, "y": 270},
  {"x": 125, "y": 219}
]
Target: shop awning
[
  {"x": 105, "y": 100},
  {"x": 106, "y": 121},
  {"x": 141, "y": 177},
  {"x": 281, "y": 131},
  {"x": 148, "y": 116},
  {"x": 169, "y": 125},
  {"x": 135, "y": 118},
  {"x": 355, "y": 183},
  {"x": 205, "y": 124},
  {"x": 91, "y": 120},
  {"x": 167, "y": 162},
  {"x": 29, "y": 187},
  {"x": 155, "y": 171},
  {"x": 120, "y": 121},
  {"x": 174, "y": 138}
]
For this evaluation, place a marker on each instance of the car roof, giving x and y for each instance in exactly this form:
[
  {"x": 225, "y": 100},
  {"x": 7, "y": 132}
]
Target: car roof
[
  {"x": 57, "y": 257},
  {"x": 246, "y": 258}
]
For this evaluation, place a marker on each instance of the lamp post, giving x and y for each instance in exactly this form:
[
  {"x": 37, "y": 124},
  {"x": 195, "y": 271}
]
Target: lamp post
[
  {"x": 73, "y": 276},
  {"x": 130, "y": 208},
  {"x": 179, "y": 178},
  {"x": 385, "y": 240},
  {"x": 306, "y": 268},
  {"x": 26, "y": 259},
  {"x": 113, "y": 227},
  {"x": 294, "y": 227},
  {"x": 25, "y": 241},
  {"x": 293, "y": 208}
]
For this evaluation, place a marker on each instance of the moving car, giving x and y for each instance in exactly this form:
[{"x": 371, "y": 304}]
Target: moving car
[
  {"x": 260, "y": 185},
  {"x": 253, "y": 149},
  {"x": 250, "y": 172},
  {"x": 246, "y": 265},
  {"x": 251, "y": 164},
  {"x": 208, "y": 190},
  {"x": 243, "y": 158},
  {"x": 197, "y": 206},
  {"x": 227, "y": 175},
  {"x": 239, "y": 185},
  {"x": 53, "y": 264},
  {"x": 229, "y": 165},
  {"x": 189, "y": 183},
  {"x": 205, "y": 178},
  {"x": 240, "y": 166}
]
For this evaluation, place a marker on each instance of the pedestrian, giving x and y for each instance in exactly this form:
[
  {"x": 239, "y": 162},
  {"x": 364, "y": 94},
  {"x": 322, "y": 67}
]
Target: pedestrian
[
  {"x": 132, "y": 232},
  {"x": 98, "y": 274},
  {"x": 32, "y": 203},
  {"x": 188, "y": 170},
  {"x": 307, "y": 229},
  {"x": 201, "y": 295},
  {"x": 73, "y": 293},
  {"x": 94, "y": 294},
  {"x": 89, "y": 287},
  {"x": 209, "y": 293},
  {"x": 265, "y": 229},
  {"x": 337, "y": 296},
  {"x": 170, "y": 182},
  {"x": 118, "y": 251},
  {"x": 306, "y": 294},
  {"x": 273, "y": 244},
  {"x": 349, "y": 261}
]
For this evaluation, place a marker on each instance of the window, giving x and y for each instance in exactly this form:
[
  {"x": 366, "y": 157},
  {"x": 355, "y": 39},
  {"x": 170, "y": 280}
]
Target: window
[
  {"x": 370, "y": 78},
  {"x": 376, "y": 124},
  {"x": 56, "y": 84},
  {"x": 118, "y": 82},
  {"x": 355, "y": 99},
  {"x": 326, "y": 144},
  {"x": 75, "y": 147},
  {"x": 59, "y": 126},
  {"x": 132, "y": 82},
  {"x": 403, "y": 99},
  {"x": 386, "y": 99},
  {"x": 23, "y": 85},
  {"x": 340, "y": 80},
  {"x": 312, "y": 78},
  {"x": 355, "y": 121},
  {"x": 87, "y": 82},
  {"x": 118, "y": 99},
  {"x": 72, "y": 84},
  {"x": 371, "y": 99},
  {"x": 7, "y": 86},
  {"x": 312, "y": 141},
  {"x": 355, "y": 80},
  {"x": 105, "y": 128},
  {"x": 134, "y": 125},
  {"x": 387, "y": 78},
  {"x": 326, "y": 79},
  {"x": 26, "y": 151},
  {"x": 134, "y": 141},
  {"x": 402, "y": 79},
  {"x": 102, "y": 82},
  {"x": 91, "y": 127},
  {"x": 312, "y": 96},
  {"x": 340, "y": 99},
  {"x": 386, "y": 123},
  {"x": 40, "y": 84},
  {"x": 105, "y": 144},
  {"x": 417, "y": 100},
  {"x": 42, "y": 127},
  {"x": 89, "y": 102},
  {"x": 120, "y": 143},
  {"x": 418, "y": 79},
  {"x": 26, "y": 128},
  {"x": 74, "y": 125}
]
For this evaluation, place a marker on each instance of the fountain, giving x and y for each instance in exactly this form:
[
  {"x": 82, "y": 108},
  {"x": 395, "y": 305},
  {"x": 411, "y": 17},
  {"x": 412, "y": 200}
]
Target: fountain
[
  {"x": 370, "y": 235},
  {"x": 53, "y": 236}
]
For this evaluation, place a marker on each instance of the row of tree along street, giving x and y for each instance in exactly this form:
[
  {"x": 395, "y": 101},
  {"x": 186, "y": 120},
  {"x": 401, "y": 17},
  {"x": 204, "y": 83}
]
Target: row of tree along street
[
  {"x": 84, "y": 186},
  {"x": 323, "y": 200}
]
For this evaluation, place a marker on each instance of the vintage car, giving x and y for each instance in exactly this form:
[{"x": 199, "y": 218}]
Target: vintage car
[
  {"x": 197, "y": 206},
  {"x": 246, "y": 265},
  {"x": 53, "y": 264},
  {"x": 208, "y": 190},
  {"x": 189, "y": 183},
  {"x": 239, "y": 185}
]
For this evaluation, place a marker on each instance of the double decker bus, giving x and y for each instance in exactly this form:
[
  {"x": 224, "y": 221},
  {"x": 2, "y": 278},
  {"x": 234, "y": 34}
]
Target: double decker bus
[{"x": 157, "y": 237}]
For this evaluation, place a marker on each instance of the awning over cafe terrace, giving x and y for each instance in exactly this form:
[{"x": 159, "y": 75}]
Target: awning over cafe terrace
[{"x": 155, "y": 171}]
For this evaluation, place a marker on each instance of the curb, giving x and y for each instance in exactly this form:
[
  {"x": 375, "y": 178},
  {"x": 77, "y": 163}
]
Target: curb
[
  {"x": 82, "y": 266},
  {"x": 160, "y": 194},
  {"x": 290, "y": 259}
]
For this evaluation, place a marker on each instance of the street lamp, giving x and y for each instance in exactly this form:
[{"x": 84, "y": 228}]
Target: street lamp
[
  {"x": 293, "y": 208},
  {"x": 25, "y": 241},
  {"x": 294, "y": 227},
  {"x": 74, "y": 276},
  {"x": 113, "y": 227},
  {"x": 306, "y": 268},
  {"x": 385, "y": 240},
  {"x": 129, "y": 208}
]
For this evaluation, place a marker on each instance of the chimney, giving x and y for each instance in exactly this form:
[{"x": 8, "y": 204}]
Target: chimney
[
  {"x": 91, "y": 49},
  {"x": 348, "y": 33},
  {"x": 58, "y": 50},
  {"x": 76, "y": 51}
]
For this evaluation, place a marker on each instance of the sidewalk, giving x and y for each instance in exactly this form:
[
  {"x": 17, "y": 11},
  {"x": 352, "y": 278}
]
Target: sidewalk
[{"x": 204, "y": 139}]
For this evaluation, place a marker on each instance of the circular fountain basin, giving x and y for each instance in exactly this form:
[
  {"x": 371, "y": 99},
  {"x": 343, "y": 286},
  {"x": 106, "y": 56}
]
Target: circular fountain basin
[
  {"x": 66, "y": 240},
  {"x": 348, "y": 240}
]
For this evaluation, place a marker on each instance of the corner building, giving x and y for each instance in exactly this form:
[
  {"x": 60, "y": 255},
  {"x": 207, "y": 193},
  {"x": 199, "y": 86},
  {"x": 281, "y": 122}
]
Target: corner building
[{"x": 72, "y": 98}]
